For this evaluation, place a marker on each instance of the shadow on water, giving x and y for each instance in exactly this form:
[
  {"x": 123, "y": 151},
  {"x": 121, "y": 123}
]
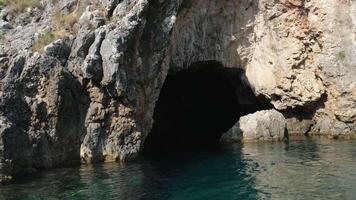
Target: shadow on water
[
  {"x": 215, "y": 174},
  {"x": 302, "y": 169}
]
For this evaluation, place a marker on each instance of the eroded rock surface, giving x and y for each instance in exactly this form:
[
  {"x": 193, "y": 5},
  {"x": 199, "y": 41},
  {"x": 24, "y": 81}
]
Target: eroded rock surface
[
  {"x": 90, "y": 96},
  {"x": 266, "y": 125}
]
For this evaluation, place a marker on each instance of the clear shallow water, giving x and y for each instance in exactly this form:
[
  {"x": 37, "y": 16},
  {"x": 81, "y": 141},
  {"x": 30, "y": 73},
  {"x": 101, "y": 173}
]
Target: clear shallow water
[{"x": 305, "y": 169}]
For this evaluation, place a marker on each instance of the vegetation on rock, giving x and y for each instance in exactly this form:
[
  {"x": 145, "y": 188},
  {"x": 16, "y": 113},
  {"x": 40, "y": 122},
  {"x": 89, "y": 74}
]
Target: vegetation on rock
[
  {"x": 45, "y": 39},
  {"x": 341, "y": 55},
  {"x": 18, "y": 6},
  {"x": 65, "y": 23}
]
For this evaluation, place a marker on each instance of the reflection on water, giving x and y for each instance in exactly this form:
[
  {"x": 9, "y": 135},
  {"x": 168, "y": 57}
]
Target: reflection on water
[
  {"x": 312, "y": 169},
  {"x": 305, "y": 169}
]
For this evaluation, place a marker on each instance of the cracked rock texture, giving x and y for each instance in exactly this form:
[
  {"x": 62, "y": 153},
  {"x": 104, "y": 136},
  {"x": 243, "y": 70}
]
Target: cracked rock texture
[{"x": 89, "y": 96}]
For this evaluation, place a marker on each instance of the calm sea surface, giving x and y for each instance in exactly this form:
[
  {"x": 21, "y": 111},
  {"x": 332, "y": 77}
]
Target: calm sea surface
[{"x": 302, "y": 169}]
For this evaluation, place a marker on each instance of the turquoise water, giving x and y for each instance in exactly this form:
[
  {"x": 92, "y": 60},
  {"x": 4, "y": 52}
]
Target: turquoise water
[{"x": 304, "y": 169}]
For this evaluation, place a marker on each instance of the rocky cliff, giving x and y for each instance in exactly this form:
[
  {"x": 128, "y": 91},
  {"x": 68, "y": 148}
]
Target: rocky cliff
[{"x": 79, "y": 79}]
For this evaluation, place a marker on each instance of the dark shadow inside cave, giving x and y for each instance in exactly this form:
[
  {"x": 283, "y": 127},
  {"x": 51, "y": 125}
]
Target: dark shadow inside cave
[{"x": 197, "y": 106}]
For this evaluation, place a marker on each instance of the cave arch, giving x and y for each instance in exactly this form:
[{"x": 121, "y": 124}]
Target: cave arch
[{"x": 196, "y": 106}]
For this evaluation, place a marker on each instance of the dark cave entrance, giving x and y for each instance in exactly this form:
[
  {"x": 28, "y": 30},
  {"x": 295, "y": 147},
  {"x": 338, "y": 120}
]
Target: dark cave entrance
[{"x": 197, "y": 106}]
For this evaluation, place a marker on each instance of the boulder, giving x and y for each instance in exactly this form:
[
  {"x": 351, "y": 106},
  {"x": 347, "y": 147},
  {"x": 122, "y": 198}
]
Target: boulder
[{"x": 266, "y": 125}]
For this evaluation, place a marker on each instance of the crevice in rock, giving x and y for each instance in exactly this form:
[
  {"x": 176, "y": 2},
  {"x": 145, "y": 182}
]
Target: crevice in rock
[
  {"x": 112, "y": 7},
  {"x": 196, "y": 106}
]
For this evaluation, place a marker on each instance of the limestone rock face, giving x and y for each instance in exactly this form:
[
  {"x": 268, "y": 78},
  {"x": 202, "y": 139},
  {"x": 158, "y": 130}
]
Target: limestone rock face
[
  {"x": 91, "y": 96},
  {"x": 266, "y": 125},
  {"x": 40, "y": 107}
]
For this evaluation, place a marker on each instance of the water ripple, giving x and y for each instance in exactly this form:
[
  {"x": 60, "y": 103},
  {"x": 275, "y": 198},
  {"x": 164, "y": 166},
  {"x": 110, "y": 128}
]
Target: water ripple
[{"x": 304, "y": 169}]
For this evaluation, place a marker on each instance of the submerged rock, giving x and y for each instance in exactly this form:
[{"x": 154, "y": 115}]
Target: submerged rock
[{"x": 266, "y": 125}]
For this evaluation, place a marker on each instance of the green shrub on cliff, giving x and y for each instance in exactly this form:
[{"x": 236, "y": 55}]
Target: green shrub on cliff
[
  {"x": 45, "y": 39},
  {"x": 65, "y": 22},
  {"x": 2, "y": 2},
  {"x": 62, "y": 25}
]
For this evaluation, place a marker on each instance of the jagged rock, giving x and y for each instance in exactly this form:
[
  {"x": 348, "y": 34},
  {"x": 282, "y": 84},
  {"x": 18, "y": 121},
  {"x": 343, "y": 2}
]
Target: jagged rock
[
  {"x": 14, "y": 151},
  {"x": 90, "y": 149},
  {"x": 92, "y": 67},
  {"x": 3, "y": 60},
  {"x": 110, "y": 4},
  {"x": 267, "y": 125},
  {"x": 289, "y": 52},
  {"x": 67, "y": 5},
  {"x": 92, "y": 18},
  {"x": 59, "y": 49},
  {"x": 42, "y": 114},
  {"x": 6, "y": 14}
]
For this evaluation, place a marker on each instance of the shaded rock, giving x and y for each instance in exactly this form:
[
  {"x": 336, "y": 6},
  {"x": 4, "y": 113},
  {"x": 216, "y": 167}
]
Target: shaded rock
[
  {"x": 299, "y": 126},
  {"x": 92, "y": 67},
  {"x": 59, "y": 49},
  {"x": 80, "y": 49},
  {"x": 15, "y": 151},
  {"x": 234, "y": 135},
  {"x": 3, "y": 61},
  {"x": 5, "y": 25},
  {"x": 43, "y": 116},
  {"x": 90, "y": 149}
]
